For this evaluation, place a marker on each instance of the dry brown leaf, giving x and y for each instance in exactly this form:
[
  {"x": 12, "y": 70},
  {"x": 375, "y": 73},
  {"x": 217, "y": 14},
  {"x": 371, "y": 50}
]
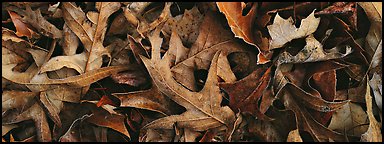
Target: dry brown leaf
[
  {"x": 41, "y": 24},
  {"x": 16, "y": 99},
  {"x": 283, "y": 31},
  {"x": 91, "y": 35},
  {"x": 212, "y": 37},
  {"x": 374, "y": 36},
  {"x": 244, "y": 27},
  {"x": 103, "y": 118},
  {"x": 6, "y": 128},
  {"x": 350, "y": 118},
  {"x": 186, "y": 25},
  {"x": 35, "y": 113},
  {"x": 84, "y": 79},
  {"x": 373, "y": 133},
  {"x": 22, "y": 29},
  {"x": 245, "y": 94},
  {"x": 203, "y": 108},
  {"x": 70, "y": 42},
  {"x": 150, "y": 99},
  {"x": 377, "y": 87},
  {"x": 76, "y": 62},
  {"x": 306, "y": 122},
  {"x": 294, "y": 136},
  {"x": 312, "y": 52}
]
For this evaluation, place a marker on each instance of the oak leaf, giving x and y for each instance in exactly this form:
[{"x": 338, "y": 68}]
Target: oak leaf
[
  {"x": 283, "y": 31},
  {"x": 203, "y": 108},
  {"x": 212, "y": 37}
]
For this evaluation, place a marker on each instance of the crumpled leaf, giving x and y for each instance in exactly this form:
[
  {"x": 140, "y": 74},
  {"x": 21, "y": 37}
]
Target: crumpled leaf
[
  {"x": 244, "y": 26},
  {"x": 76, "y": 62},
  {"x": 374, "y": 36},
  {"x": 41, "y": 24},
  {"x": 150, "y": 99},
  {"x": 245, "y": 94},
  {"x": 294, "y": 136},
  {"x": 91, "y": 35},
  {"x": 35, "y": 113},
  {"x": 203, "y": 108},
  {"x": 312, "y": 52},
  {"x": 103, "y": 118},
  {"x": 14, "y": 56},
  {"x": 283, "y": 31},
  {"x": 186, "y": 25},
  {"x": 15, "y": 99},
  {"x": 346, "y": 8},
  {"x": 349, "y": 118},
  {"x": 306, "y": 122},
  {"x": 373, "y": 133},
  {"x": 212, "y": 37},
  {"x": 22, "y": 29},
  {"x": 70, "y": 41},
  {"x": 376, "y": 84},
  {"x": 134, "y": 14}
]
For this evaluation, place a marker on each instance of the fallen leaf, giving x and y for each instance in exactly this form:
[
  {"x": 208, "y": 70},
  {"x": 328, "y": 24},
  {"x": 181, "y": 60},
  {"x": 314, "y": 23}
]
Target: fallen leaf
[
  {"x": 283, "y": 31},
  {"x": 373, "y": 133},
  {"x": 83, "y": 80},
  {"x": 294, "y": 136},
  {"x": 244, "y": 26},
  {"x": 70, "y": 41},
  {"x": 76, "y": 62},
  {"x": 103, "y": 118},
  {"x": 312, "y": 52},
  {"x": 22, "y": 29},
  {"x": 91, "y": 35},
  {"x": 186, "y": 25},
  {"x": 306, "y": 122},
  {"x": 211, "y": 39},
  {"x": 350, "y": 118},
  {"x": 198, "y": 109},
  {"x": 41, "y": 24},
  {"x": 245, "y": 94},
  {"x": 377, "y": 87},
  {"x": 151, "y": 99}
]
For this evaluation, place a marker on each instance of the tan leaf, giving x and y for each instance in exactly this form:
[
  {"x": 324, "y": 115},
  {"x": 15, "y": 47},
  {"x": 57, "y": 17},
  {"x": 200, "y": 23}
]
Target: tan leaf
[
  {"x": 312, "y": 52},
  {"x": 76, "y": 62},
  {"x": 35, "y": 113},
  {"x": 150, "y": 99},
  {"x": 70, "y": 41},
  {"x": 244, "y": 26},
  {"x": 91, "y": 35},
  {"x": 84, "y": 79},
  {"x": 53, "y": 111},
  {"x": 349, "y": 118},
  {"x": 186, "y": 25},
  {"x": 203, "y": 108},
  {"x": 212, "y": 37},
  {"x": 376, "y": 84},
  {"x": 373, "y": 133},
  {"x": 41, "y": 24},
  {"x": 16, "y": 99},
  {"x": 283, "y": 31},
  {"x": 294, "y": 136},
  {"x": 6, "y": 128},
  {"x": 102, "y": 118}
]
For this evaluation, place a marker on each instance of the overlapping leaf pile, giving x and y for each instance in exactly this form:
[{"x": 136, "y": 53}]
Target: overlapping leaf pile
[{"x": 184, "y": 72}]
